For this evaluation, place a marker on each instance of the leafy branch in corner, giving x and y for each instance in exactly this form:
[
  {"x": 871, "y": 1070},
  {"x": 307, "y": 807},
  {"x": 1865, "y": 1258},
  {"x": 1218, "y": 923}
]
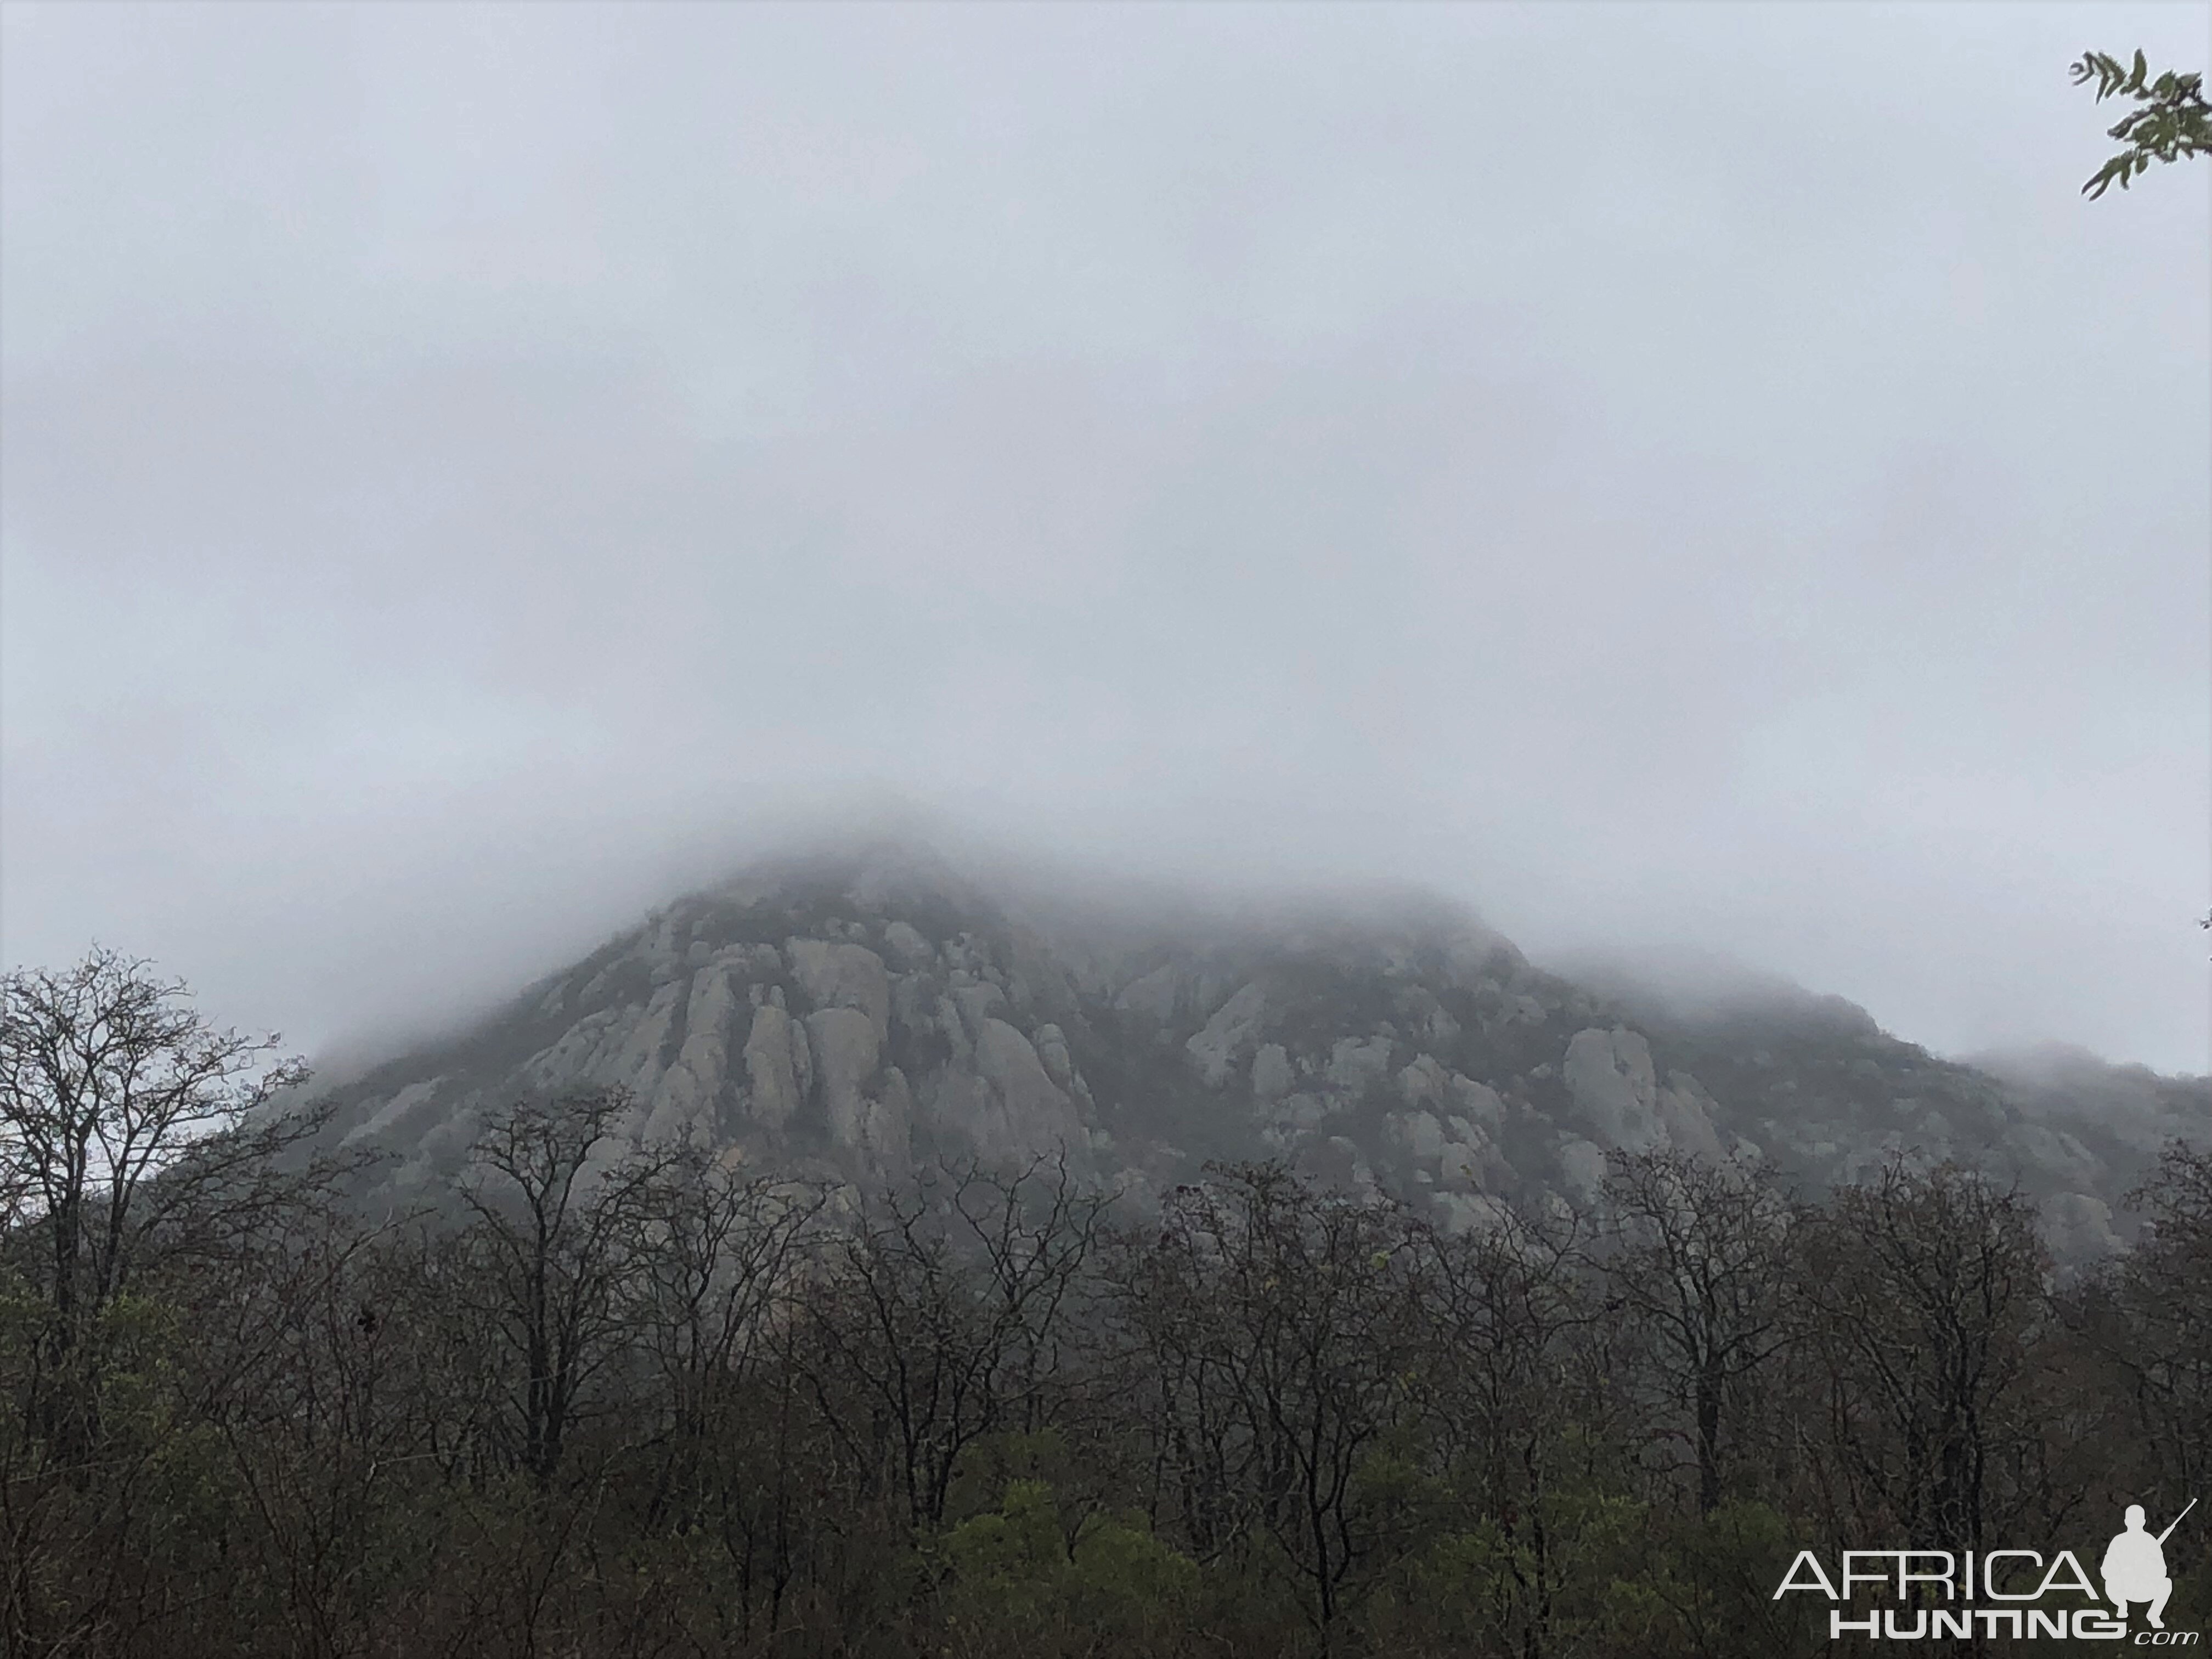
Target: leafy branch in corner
[{"x": 2173, "y": 122}]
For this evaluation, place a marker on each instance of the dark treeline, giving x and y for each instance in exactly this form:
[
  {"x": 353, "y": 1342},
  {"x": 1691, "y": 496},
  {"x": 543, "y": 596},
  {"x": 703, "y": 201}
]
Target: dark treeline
[{"x": 611, "y": 1399}]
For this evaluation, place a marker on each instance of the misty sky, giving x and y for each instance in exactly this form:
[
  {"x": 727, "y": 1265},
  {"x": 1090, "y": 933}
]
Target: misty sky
[{"x": 1668, "y": 475}]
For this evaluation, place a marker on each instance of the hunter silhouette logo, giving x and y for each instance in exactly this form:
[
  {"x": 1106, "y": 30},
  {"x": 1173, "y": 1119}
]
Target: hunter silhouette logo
[
  {"x": 2134, "y": 1565},
  {"x": 1934, "y": 1590}
]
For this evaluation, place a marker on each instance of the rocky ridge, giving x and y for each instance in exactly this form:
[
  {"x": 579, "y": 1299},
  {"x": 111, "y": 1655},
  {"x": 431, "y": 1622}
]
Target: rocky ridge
[{"x": 851, "y": 1015}]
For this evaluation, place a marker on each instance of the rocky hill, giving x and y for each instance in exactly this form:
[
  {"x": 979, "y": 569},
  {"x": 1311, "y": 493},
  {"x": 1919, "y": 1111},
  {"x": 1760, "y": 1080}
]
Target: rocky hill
[{"x": 850, "y": 1014}]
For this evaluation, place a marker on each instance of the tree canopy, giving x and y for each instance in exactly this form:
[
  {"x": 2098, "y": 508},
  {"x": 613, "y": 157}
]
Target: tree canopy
[{"x": 2170, "y": 119}]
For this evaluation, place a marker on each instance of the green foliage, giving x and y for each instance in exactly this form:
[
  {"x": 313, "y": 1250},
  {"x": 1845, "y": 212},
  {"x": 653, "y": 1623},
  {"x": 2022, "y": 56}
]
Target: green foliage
[
  {"x": 2173, "y": 122},
  {"x": 1723, "y": 1576},
  {"x": 1013, "y": 1567},
  {"x": 1124, "y": 1574},
  {"x": 988, "y": 1468},
  {"x": 1013, "y": 1558}
]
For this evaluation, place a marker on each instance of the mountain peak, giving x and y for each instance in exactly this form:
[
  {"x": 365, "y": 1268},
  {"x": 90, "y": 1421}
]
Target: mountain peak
[{"x": 870, "y": 1001}]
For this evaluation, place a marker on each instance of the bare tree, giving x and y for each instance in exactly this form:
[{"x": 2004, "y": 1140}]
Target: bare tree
[
  {"x": 944, "y": 1319},
  {"x": 292, "y": 1362},
  {"x": 1505, "y": 1307},
  {"x": 716, "y": 1257},
  {"x": 556, "y": 1226},
  {"x": 1282, "y": 1325},
  {"x": 1696, "y": 1261},
  {"x": 1034, "y": 1235},
  {"x": 122, "y": 1108},
  {"x": 2148, "y": 1314},
  {"x": 1926, "y": 1297}
]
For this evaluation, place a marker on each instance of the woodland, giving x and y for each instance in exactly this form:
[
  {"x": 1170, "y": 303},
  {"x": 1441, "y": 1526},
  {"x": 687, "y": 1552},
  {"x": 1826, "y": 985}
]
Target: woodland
[{"x": 604, "y": 1397}]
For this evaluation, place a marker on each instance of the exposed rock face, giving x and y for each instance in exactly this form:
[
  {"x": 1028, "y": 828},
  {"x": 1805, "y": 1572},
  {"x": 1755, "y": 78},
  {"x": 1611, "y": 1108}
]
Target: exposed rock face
[
  {"x": 688, "y": 1099},
  {"x": 1610, "y": 1079},
  {"x": 853, "y": 1018},
  {"x": 779, "y": 1065},
  {"x": 844, "y": 975},
  {"x": 1032, "y": 1112},
  {"x": 847, "y": 1052},
  {"x": 1228, "y": 1035}
]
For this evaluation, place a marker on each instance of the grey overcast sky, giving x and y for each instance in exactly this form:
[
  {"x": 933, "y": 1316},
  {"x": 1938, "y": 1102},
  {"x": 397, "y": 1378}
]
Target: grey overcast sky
[{"x": 1670, "y": 475}]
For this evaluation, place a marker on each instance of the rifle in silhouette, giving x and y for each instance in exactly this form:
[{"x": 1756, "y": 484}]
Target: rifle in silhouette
[{"x": 2176, "y": 1522}]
